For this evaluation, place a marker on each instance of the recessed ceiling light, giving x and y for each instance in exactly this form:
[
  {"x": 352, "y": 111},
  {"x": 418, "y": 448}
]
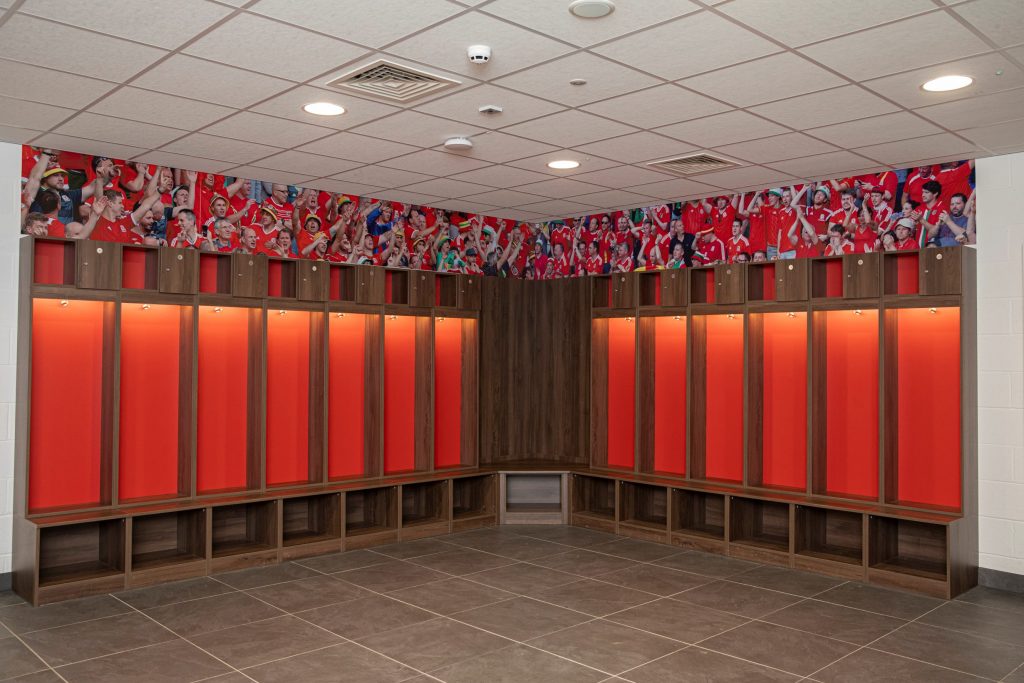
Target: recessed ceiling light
[
  {"x": 563, "y": 164},
  {"x": 946, "y": 83},
  {"x": 591, "y": 9},
  {"x": 324, "y": 109},
  {"x": 578, "y": 81},
  {"x": 458, "y": 144}
]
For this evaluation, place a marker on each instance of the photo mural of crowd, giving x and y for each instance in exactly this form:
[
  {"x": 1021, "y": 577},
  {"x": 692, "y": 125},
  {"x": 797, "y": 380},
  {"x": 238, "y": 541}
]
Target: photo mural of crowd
[{"x": 79, "y": 196}]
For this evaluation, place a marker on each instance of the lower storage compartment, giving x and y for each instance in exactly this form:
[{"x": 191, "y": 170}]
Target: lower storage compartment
[
  {"x": 827, "y": 538},
  {"x": 759, "y": 530},
  {"x": 643, "y": 512},
  {"x": 82, "y": 553},
  {"x": 168, "y": 540},
  {"x": 908, "y": 554},
  {"x": 698, "y": 520},
  {"x": 534, "y": 498},
  {"x": 248, "y": 530},
  {"x": 371, "y": 517},
  {"x": 311, "y": 524},
  {"x": 424, "y": 509},
  {"x": 593, "y": 502}
]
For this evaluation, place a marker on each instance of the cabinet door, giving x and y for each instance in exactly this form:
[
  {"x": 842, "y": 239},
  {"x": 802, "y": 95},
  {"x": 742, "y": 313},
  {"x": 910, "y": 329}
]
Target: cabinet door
[
  {"x": 861, "y": 275},
  {"x": 179, "y": 271},
  {"x": 313, "y": 280},
  {"x": 369, "y": 285},
  {"x": 624, "y": 290},
  {"x": 730, "y": 284},
  {"x": 97, "y": 265},
  {"x": 792, "y": 279},
  {"x": 469, "y": 292},
  {"x": 940, "y": 270},
  {"x": 249, "y": 275},
  {"x": 673, "y": 288},
  {"x": 421, "y": 289}
]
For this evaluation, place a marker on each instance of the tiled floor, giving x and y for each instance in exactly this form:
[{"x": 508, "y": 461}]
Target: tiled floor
[{"x": 515, "y": 604}]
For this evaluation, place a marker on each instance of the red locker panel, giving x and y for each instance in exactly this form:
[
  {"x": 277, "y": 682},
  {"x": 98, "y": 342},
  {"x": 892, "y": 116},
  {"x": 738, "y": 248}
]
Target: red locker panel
[
  {"x": 724, "y": 398},
  {"x": 621, "y": 392},
  {"x": 928, "y": 386},
  {"x": 669, "y": 395},
  {"x": 784, "y": 438},
  {"x": 399, "y": 394},
  {"x": 223, "y": 390},
  {"x": 287, "y": 397},
  {"x": 65, "y": 458},
  {"x": 851, "y": 400},
  {"x": 346, "y": 395},
  {"x": 48, "y": 263},
  {"x": 447, "y": 392},
  {"x": 149, "y": 407},
  {"x": 133, "y": 268}
]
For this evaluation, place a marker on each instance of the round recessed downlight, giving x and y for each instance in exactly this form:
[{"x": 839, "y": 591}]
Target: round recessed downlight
[
  {"x": 947, "y": 83},
  {"x": 563, "y": 164},
  {"x": 324, "y": 109},
  {"x": 591, "y": 9}
]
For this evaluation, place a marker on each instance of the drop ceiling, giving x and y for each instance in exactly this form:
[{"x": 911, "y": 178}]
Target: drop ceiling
[{"x": 788, "y": 89}]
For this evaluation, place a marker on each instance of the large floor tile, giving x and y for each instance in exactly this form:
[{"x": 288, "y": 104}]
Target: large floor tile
[
  {"x": 694, "y": 665},
  {"x": 431, "y": 645},
  {"x": 264, "y": 641},
  {"x": 347, "y": 663},
  {"x": 521, "y": 618},
  {"x": 959, "y": 651},
  {"x": 47, "y": 676},
  {"x": 584, "y": 563},
  {"x": 176, "y": 591},
  {"x": 568, "y": 535},
  {"x": 737, "y": 598},
  {"x": 882, "y": 667},
  {"x": 450, "y": 596},
  {"x": 633, "y": 549},
  {"x": 23, "y": 618},
  {"x": 264, "y": 576},
  {"x": 342, "y": 562},
  {"x": 654, "y": 579},
  {"x": 992, "y": 597},
  {"x": 707, "y": 564},
  {"x": 607, "y": 646},
  {"x": 88, "y": 639},
  {"x": 461, "y": 561},
  {"x": 17, "y": 660},
  {"x": 835, "y": 621},
  {"x": 680, "y": 621},
  {"x": 10, "y": 598},
  {"x": 593, "y": 597},
  {"x": 212, "y": 614},
  {"x": 514, "y": 546},
  {"x": 523, "y": 578},
  {"x": 366, "y": 616},
  {"x": 409, "y": 549},
  {"x": 518, "y": 664},
  {"x": 787, "y": 580},
  {"x": 305, "y": 594},
  {"x": 999, "y": 624},
  {"x": 390, "y": 576},
  {"x": 175, "y": 661},
  {"x": 781, "y": 648},
  {"x": 881, "y": 600}
]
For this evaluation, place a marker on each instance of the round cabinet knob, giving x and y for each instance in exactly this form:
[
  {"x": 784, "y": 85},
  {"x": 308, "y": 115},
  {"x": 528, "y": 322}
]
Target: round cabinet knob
[
  {"x": 938, "y": 257},
  {"x": 181, "y": 257},
  {"x": 860, "y": 262},
  {"x": 167, "y": 270},
  {"x": 729, "y": 272},
  {"x": 790, "y": 267},
  {"x": 622, "y": 279},
  {"x": 99, "y": 250},
  {"x": 250, "y": 263},
  {"x": 313, "y": 269}
]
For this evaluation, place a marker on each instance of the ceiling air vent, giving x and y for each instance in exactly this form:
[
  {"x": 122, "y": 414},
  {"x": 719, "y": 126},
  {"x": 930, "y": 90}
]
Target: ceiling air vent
[
  {"x": 692, "y": 164},
  {"x": 391, "y": 82}
]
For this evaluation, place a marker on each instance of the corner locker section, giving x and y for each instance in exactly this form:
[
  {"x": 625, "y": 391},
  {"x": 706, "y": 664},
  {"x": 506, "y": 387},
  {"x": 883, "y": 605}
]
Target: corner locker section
[
  {"x": 229, "y": 356},
  {"x": 407, "y": 394},
  {"x": 455, "y": 392},
  {"x": 662, "y": 387},
  {"x": 73, "y": 374},
  {"x": 613, "y": 393},
  {"x": 155, "y": 401},
  {"x": 295, "y": 396},
  {"x": 716, "y": 421},
  {"x": 353, "y": 395}
]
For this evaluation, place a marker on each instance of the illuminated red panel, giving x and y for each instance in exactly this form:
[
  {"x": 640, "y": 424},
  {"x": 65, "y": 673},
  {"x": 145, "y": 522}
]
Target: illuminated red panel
[
  {"x": 723, "y": 418},
  {"x": 621, "y": 392},
  {"x": 287, "y": 397},
  {"x": 669, "y": 395},
  {"x": 784, "y": 432},
  {"x": 447, "y": 392},
  {"x": 346, "y": 395},
  {"x": 399, "y": 394}
]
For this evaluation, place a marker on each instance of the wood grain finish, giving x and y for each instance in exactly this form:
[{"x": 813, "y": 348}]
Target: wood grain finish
[
  {"x": 249, "y": 275},
  {"x": 730, "y": 284},
  {"x": 792, "y": 280},
  {"x": 178, "y": 271},
  {"x": 313, "y": 280},
  {"x": 862, "y": 275},
  {"x": 470, "y": 292},
  {"x": 98, "y": 265},
  {"x": 421, "y": 289}
]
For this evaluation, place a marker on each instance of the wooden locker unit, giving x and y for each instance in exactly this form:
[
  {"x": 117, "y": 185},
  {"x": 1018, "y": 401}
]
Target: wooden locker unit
[
  {"x": 166, "y": 546},
  {"x": 730, "y": 284},
  {"x": 624, "y": 290},
  {"x": 613, "y": 392},
  {"x": 313, "y": 281},
  {"x": 310, "y": 525},
  {"x": 662, "y": 393},
  {"x": 594, "y": 502},
  {"x": 792, "y": 279},
  {"x": 469, "y": 292},
  {"x": 282, "y": 277},
  {"x": 178, "y": 271},
  {"x": 698, "y": 520},
  {"x": 643, "y": 511},
  {"x": 474, "y": 502},
  {"x": 354, "y": 391},
  {"x": 455, "y": 392},
  {"x": 407, "y": 394},
  {"x": 862, "y": 274},
  {"x": 425, "y": 510},
  {"x": 421, "y": 289},
  {"x": 371, "y": 517},
  {"x": 97, "y": 265},
  {"x": 249, "y": 275},
  {"x": 139, "y": 267}
]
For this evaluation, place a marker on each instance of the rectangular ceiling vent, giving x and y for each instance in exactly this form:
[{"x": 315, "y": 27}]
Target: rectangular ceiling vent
[
  {"x": 384, "y": 80},
  {"x": 692, "y": 164}
]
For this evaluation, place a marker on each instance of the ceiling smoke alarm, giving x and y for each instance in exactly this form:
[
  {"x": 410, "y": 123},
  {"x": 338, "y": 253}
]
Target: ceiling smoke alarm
[
  {"x": 458, "y": 144},
  {"x": 491, "y": 109},
  {"x": 591, "y": 9}
]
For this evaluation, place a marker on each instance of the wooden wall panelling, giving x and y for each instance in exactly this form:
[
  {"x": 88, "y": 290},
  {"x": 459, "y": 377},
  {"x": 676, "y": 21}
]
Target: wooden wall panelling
[
  {"x": 697, "y": 347},
  {"x": 470, "y": 448}
]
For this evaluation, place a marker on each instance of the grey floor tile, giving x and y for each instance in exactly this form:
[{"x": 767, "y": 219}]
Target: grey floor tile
[
  {"x": 87, "y": 639},
  {"x": 521, "y": 578},
  {"x": 568, "y": 535},
  {"x": 584, "y": 563},
  {"x": 882, "y": 667},
  {"x": 264, "y": 576},
  {"x": 782, "y": 648},
  {"x": 366, "y": 616},
  {"x": 24, "y": 618},
  {"x": 959, "y": 651},
  {"x": 10, "y": 598},
  {"x": 17, "y": 660},
  {"x": 518, "y": 664},
  {"x": 342, "y": 562},
  {"x": 462, "y": 561},
  {"x": 999, "y": 624},
  {"x": 787, "y": 580},
  {"x": 433, "y": 644},
  {"x": 1017, "y": 676},
  {"x": 681, "y": 621},
  {"x": 230, "y": 678},
  {"x": 521, "y": 618},
  {"x": 707, "y": 564},
  {"x": 694, "y": 665},
  {"x": 176, "y": 591},
  {"x": 264, "y": 641},
  {"x": 515, "y": 546},
  {"x": 992, "y": 597},
  {"x": 408, "y": 549},
  {"x": 212, "y": 614},
  {"x": 450, "y": 596},
  {"x": 593, "y": 597},
  {"x": 654, "y": 579},
  {"x": 47, "y": 676},
  {"x": 346, "y": 663},
  {"x": 305, "y": 594},
  {"x": 175, "y": 661},
  {"x": 737, "y": 598},
  {"x": 610, "y": 647},
  {"x": 835, "y": 621},
  {"x": 633, "y": 549},
  {"x": 390, "y": 576},
  {"x": 881, "y": 600}
]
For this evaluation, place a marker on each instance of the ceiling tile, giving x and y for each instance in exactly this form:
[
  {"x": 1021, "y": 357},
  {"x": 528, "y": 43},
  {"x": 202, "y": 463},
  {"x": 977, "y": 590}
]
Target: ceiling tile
[
  {"x": 978, "y": 111},
  {"x": 357, "y": 148},
  {"x": 446, "y": 187},
  {"x": 764, "y": 80},
  {"x": 268, "y": 175},
  {"x": 869, "y": 54},
  {"x": 499, "y": 176},
  {"x": 499, "y": 147},
  {"x": 559, "y": 207},
  {"x": 637, "y": 147},
  {"x": 374, "y": 23},
  {"x": 22, "y": 114},
  {"x": 158, "y": 108},
  {"x": 224, "y": 149},
  {"x": 20, "y": 40},
  {"x": 657, "y": 106},
  {"x": 997, "y": 137},
  {"x": 807, "y": 21},
  {"x": 459, "y": 81},
  {"x": 147, "y": 21},
  {"x": 787, "y": 146},
  {"x": 745, "y": 176},
  {"x": 462, "y": 205},
  {"x": 905, "y": 88},
  {"x": 722, "y": 129},
  {"x": 931, "y": 146},
  {"x": 210, "y": 82},
  {"x": 622, "y": 176},
  {"x": 829, "y": 164},
  {"x": 407, "y": 197},
  {"x": 172, "y": 160},
  {"x": 134, "y": 133},
  {"x": 329, "y": 185},
  {"x": 560, "y": 187},
  {"x": 614, "y": 198},
  {"x": 84, "y": 146},
  {"x": 711, "y": 43},
  {"x": 512, "y": 48},
  {"x": 464, "y": 106},
  {"x": 246, "y": 125},
  {"x": 288, "y": 105},
  {"x": 876, "y": 129},
  {"x": 552, "y": 17},
  {"x": 17, "y": 136},
  {"x": 823, "y": 108},
  {"x": 539, "y": 163},
  {"x": 380, "y": 176},
  {"x": 569, "y": 129},
  {"x": 604, "y": 78},
  {"x": 1000, "y": 20},
  {"x": 434, "y": 162},
  {"x": 414, "y": 128},
  {"x": 49, "y": 86},
  {"x": 673, "y": 189},
  {"x": 504, "y": 198},
  {"x": 309, "y": 54},
  {"x": 304, "y": 163},
  {"x": 517, "y": 215}
]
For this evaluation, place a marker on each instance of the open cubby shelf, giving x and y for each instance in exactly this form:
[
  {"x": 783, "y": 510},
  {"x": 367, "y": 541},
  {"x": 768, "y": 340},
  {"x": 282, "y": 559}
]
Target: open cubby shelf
[
  {"x": 907, "y": 547},
  {"x": 281, "y": 282},
  {"x": 244, "y": 528},
  {"x": 474, "y": 497},
  {"x": 834, "y": 535},
  {"x": 80, "y": 552},
  {"x": 760, "y": 523},
  {"x": 425, "y": 503},
  {"x": 168, "y": 538},
  {"x": 310, "y": 519},
  {"x": 593, "y": 497},
  {"x": 215, "y": 273},
  {"x": 695, "y": 513},
  {"x": 371, "y": 511},
  {"x": 644, "y": 506},
  {"x": 139, "y": 267},
  {"x": 396, "y": 287}
]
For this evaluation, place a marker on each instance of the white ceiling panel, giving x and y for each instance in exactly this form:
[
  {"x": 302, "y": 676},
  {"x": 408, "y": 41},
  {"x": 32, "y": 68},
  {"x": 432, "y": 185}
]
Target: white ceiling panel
[
  {"x": 744, "y": 177},
  {"x": 824, "y": 164},
  {"x": 905, "y": 88},
  {"x": 269, "y": 175},
  {"x": 504, "y": 198},
  {"x": 979, "y": 111},
  {"x": 823, "y": 108},
  {"x": 539, "y": 163},
  {"x": 434, "y": 162},
  {"x": 931, "y": 146},
  {"x": 615, "y": 198},
  {"x": 238, "y": 151},
  {"x": 86, "y": 146},
  {"x": 17, "y": 136},
  {"x": 357, "y": 148},
  {"x": 636, "y": 147},
  {"x": 708, "y": 42},
  {"x": 779, "y": 147},
  {"x": 464, "y": 106},
  {"x": 657, "y": 106},
  {"x": 382, "y": 177},
  {"x": 288, "y": 105},
  {"x": 22, "y": 114},
  {"x": 1000, "y": 20},
  {"x": 330, "y": 185},
  {"x": 570, "y": 128},
  {"x": 673, "y": 189},
  {"x": 764, "y": 80},
  {"x": 446, "y": 187},
  {"x": 995, "y": 137},
  {"x": 499, "y": 148},
  {"x": 303, "y": 162},
  {"x": 158, "y": 108},
  {"x": 622, "y": 176},
  {"x": 406, "y": 197},
  {"x": 604, "y": 79},
  {"x": 560, "y": 207},
  {"x": 876, "y": 129},
  {"x": 172, "y": 160},
  {"x": 198, "y": 79},
  {"x": 560, "y": 187},
  {"x": 49, "y": 86},
  {"x": 722, "y": 129},
  {"x": 500, "y": 176},
  {"x": 258, "y": 127},
  {"x": 414, "y": 128},
  {"x": 134, "y": 133}
]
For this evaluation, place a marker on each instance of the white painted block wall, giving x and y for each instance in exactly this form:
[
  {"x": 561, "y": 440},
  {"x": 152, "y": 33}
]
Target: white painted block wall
[{"x": 1000, "y": 355}]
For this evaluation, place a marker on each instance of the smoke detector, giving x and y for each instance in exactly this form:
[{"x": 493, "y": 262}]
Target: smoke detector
[
  {"x": 591, "y": 9},
  {"x": 491, "y": 109},
  {"x": 458, "y": 144}
]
